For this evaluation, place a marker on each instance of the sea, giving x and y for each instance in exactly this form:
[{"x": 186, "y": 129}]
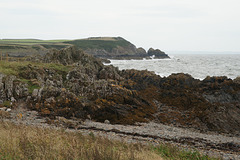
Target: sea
[{"x": 199, "y": 66}]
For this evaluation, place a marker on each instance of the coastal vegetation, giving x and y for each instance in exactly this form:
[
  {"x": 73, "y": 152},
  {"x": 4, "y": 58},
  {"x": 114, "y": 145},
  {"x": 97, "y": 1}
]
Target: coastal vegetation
[
  {"x": 107, "y": 44},
  {"x": 28, "y": 142},
  {"x": 15, "y": 68},
  {"x": 16, "y": 46}
]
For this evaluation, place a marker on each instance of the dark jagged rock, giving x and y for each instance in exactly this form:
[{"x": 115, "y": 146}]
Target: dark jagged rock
[
  {"x": 12, "y": 88},
  {"x": 142, "y": 52},
  {"x": 195, "y": 103},
  {"x": 237, "y": 80},
  {"x": 110, "y": 72},
  {"x": 70, "y": 56},
  {"x": 157, "y": 53},
  {"x": 106, "y": 61},
  {"x": 88, "y": 89}
]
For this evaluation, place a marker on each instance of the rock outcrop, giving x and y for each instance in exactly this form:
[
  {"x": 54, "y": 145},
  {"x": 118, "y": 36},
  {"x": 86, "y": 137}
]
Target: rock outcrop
[
  {"x": 211, "y": 104},
  {"x": 12, "y": 88},
  {"x": 141, "y": 51},
  {"x": 80, "y": 86}
]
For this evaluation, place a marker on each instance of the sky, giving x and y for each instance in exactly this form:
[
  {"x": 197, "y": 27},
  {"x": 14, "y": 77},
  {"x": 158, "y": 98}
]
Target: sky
[{"x": 170, "y": 25}]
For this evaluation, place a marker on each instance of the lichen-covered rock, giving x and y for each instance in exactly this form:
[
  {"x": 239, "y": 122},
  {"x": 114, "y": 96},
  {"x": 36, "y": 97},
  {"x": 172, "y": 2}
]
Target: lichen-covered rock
[
  {"x": 32, "y": 72},
  {"x": 110, "y": 72},
  {"x": 71, "y": 55},
  {"x": 2, "y": 92},
  {"x": 8, "y": 85},
  {"x": 20, "y": 90},
  {"x": 64, "y": 56},
  {"x": 12, "y": 88},
  {"x": 35, "y": 93}
]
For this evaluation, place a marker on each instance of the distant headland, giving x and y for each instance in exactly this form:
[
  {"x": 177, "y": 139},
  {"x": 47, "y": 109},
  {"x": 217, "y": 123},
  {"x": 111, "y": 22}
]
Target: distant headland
[{"x": 102, "y": 47}]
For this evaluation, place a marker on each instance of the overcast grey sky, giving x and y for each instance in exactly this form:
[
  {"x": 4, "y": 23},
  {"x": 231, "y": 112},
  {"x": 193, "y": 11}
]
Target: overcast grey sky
[{"x": 196, "y": 25}]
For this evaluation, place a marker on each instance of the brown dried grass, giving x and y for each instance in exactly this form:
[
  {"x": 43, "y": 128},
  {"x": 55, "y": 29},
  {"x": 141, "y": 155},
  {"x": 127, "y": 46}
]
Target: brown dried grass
[{"x": 25, "y": 142}]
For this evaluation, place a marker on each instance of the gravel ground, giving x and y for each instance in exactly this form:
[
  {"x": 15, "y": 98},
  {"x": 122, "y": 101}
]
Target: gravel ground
[{"x": 213, "y": 144}]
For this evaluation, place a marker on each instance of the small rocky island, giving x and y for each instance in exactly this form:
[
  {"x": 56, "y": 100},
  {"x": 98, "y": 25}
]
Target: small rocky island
[{"x": 74, "y": 85}]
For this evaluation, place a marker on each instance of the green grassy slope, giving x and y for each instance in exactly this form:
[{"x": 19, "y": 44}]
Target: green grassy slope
[
  {"x": 29, "y": 41},
  {"x": 22, "y": 47},
  {"x": 106, "y": 43}
]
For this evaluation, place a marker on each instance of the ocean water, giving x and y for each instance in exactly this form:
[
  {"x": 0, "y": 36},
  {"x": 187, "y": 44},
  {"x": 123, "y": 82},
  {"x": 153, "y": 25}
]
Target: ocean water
[{"x": 197, "y": 65}]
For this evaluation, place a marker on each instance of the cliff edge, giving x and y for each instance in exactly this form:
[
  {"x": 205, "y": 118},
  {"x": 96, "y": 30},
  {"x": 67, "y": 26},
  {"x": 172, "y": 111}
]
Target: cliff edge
[{"x": 115, "y": 48}]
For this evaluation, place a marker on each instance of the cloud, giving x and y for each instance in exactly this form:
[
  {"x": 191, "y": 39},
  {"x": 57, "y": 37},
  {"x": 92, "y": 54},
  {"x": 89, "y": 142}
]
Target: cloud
[{"x": 165, "y": 24}]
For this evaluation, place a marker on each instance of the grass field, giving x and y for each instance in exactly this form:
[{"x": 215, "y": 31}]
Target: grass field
[
  {"x": 106, "y": 43},
  {"x": 25, "y": 142},
  {"x": 24, "y": 47},
  {"x": 29, "y": 41}
]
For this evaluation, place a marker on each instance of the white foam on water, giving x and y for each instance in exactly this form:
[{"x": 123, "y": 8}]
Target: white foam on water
[{"x": 198, "y": 66}]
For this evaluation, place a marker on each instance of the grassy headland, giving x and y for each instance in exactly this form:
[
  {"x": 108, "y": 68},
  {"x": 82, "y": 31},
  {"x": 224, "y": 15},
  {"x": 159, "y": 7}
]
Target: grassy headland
[
  {"x": 106, "y": 43},
  {"x": 23, "y": 47}
]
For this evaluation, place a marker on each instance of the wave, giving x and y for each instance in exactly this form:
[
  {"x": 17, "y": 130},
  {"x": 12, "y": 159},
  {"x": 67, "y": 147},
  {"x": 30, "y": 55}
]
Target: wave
[{"x": 198, "y": 66}]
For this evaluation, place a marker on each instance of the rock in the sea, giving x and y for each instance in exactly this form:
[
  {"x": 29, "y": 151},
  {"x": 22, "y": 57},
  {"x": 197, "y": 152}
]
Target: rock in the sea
[
  {"x": 157, "y": 53},
  {"x": 141, "y": 51}
]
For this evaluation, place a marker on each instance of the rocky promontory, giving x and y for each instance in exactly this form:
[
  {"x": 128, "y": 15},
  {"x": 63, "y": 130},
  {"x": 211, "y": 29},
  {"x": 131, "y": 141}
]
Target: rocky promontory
[{"x": 115, "y": 48}]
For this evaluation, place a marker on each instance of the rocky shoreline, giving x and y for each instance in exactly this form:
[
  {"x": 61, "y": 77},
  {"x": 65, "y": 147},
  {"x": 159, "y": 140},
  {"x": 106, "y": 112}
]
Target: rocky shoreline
[
  {"x": 69, "y": 86},
  {"x": 212, "y": 144}
]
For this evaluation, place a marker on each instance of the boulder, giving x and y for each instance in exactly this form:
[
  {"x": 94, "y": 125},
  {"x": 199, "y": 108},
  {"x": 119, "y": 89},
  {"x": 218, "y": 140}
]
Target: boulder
[
  {"x": 8, "y": 85},
  {"x": 35, "y": 93},
  {"x": 20, "y": 89},
  {"x": 2, "y": 92},
  {"x": 107, "y": 121},
  {"x": 109, "y": 72}
]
